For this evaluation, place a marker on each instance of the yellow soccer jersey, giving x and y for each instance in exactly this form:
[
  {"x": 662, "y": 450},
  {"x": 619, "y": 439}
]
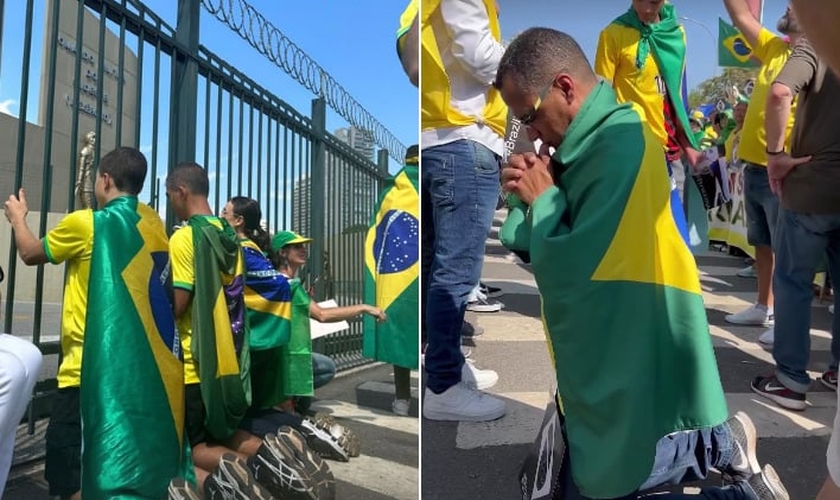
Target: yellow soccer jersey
[
  {"x": 406, "y": 19},
  {"x": 615, "y": 61},
  {"x": 773, "y": 52},
  {"x": 71, "y": 241}
]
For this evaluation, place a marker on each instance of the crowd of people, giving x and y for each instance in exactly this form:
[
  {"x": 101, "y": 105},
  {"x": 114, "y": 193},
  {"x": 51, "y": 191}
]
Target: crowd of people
[
  {"x": 187, "y": 368},
  {"x": 221, "y": 310},
  {"x": 615, "y": 145}
]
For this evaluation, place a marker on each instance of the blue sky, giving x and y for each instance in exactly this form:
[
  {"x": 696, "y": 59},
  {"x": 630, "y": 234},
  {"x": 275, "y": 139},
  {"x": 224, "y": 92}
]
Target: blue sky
[
  {"x": 353, "y": 41},
  {"x": 585, "y": 20}
]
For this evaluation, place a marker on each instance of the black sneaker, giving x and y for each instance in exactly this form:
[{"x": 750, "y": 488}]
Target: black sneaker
[
  {"x": 744, "y": 463},
  {"x": 180, "y": 489},
  {"x": 829, "y": 379},
  {"x": 469, "y": 330},
  {"x": 233, "y": 481},
  {"x": 490, "y": 291},
  {"x": 275, "y": 467},
  {"x": 772, "y": 389},
  {"x": 317, "y": 469},
  {"x": 767, "y": 486},
  {"x": 329, "y": 438}
]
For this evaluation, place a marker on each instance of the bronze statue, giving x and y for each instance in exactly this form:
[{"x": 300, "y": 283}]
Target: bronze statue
[{"x": 84, "y": 182}]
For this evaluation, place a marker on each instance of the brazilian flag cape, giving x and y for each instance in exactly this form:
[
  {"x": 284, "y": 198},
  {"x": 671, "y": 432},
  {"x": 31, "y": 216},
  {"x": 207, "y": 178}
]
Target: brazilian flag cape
[
  {"x": 392, "y": 250},
  {"x": 295, "y": 358},
  {"x": 605, "y": 235},
  {"x": 219, "y": 326},
  {"x": 665, "y": 41},
  {"x": 268, "y": 300},
  {"x": 132, "y": 386}
]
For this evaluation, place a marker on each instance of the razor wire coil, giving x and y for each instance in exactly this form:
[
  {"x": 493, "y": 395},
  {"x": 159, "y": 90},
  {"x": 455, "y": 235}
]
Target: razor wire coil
[{"x": 265, "y": 38}]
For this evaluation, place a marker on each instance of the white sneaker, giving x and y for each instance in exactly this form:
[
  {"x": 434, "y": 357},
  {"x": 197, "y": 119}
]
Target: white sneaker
[
  {"x": 754, "y": 315},
  {"x": 766, "y": 338},
  {"x": 747, "y": 272},
  {"x": 476, "y": 378},
  {"x": 460, "y": 403},
  {"x": 400, "y": 407},
  {"x": 482, "y": 305}
]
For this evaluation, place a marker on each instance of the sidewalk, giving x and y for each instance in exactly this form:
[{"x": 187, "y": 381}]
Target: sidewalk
[
  {"x": 359, "y": 399},
  {"x": 481, "y": 460}
]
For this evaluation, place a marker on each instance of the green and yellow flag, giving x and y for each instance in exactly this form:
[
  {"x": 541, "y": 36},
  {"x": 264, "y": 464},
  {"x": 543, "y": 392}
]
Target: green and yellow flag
[
  {"x": 279, "y": 373},
  {"x": 219, "y": 326},
  {"x": 296, "y": 356},
  {"x": 269, "y": 304},
  {"x": 605, "y": 234},
  {"x": 733, "y": 49},
  {"x": 132, "y": 389},
  {"x": 392, "y": 267}
]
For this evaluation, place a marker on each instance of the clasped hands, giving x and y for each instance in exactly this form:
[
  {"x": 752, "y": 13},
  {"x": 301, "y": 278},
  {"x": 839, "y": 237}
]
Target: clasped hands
[{"x": 527, "y": 175}]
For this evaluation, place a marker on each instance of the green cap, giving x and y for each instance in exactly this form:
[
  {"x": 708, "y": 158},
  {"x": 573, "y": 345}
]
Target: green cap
[{"x": 284, "y": 238}]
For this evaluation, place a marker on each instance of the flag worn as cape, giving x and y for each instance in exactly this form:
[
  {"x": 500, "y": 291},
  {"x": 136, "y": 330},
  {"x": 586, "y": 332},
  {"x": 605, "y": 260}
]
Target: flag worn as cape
[
  {"x": 664, "y": 40},
  {"x": 392, "y": 269},
  {"x": 605, "y": 235},
  {"x": 219, "y": 327},
  {"x": 268, "y": 300},
  {"x": 733, "y": 49},
  {"x": 295, "y": 368},
  {"x": 132, "y": 386}
]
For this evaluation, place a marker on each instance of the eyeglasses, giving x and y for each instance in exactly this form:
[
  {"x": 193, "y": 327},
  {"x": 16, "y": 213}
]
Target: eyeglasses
[{"x": 529, "y": 117}]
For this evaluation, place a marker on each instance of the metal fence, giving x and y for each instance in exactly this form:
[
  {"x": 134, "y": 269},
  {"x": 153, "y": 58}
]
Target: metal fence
[{"x": 114, "y": 68}]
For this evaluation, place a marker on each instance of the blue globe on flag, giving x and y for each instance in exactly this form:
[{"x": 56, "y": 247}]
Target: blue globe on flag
[
  {"x": 397, "y": 243},
  {"x": 740, "y": 47}
]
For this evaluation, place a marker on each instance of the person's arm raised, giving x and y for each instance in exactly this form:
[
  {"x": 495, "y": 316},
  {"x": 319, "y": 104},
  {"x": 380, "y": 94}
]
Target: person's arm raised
[{"x": 744, "y": 20}]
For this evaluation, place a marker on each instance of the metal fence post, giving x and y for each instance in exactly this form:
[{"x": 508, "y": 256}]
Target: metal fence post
[
  {"x": 318, "y": 185},
  {"x": 184, "y": 107},
  {"x": 382, "y": 162}
]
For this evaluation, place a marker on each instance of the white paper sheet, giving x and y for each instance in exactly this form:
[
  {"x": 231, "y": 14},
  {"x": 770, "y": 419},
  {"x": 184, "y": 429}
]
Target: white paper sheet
[{"x": 318, "y": 329}]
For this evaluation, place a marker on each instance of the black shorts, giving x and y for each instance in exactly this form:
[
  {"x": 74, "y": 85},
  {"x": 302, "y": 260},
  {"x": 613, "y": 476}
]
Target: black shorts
[
  {"x": 63, "y": 462},
  {"x": 194, "y": 415},
  {"x": 262, "y": 422}
]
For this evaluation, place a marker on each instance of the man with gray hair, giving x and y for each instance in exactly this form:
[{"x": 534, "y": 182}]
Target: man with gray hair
[
  {"x": 599, "y": 229},
  {"x": 807, "y": 180}
]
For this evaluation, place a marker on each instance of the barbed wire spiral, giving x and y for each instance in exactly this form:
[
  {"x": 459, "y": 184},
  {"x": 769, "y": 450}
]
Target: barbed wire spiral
[{"x": 254, "y": 28}]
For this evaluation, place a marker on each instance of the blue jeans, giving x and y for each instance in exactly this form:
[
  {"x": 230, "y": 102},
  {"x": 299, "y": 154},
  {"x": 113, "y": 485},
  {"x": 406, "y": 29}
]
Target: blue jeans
[
  {"x": 323, "y": 370},
  {"x": 761, "y": 207},
  {"x": 679, "y": 209},
  {"x": 460, "y": 187},
  {"x": 684, "y": 457},
  {"x": 802, "y": 241}
]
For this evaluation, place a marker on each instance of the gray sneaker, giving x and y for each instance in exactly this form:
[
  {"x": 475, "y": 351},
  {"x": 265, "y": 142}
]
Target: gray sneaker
[
  {"x": 179, "y": 489},
  {"x": 329, "y": 438},
  {"x": 319, "y": 472},
  {"x": 744, "y": 463},
  {"x": 276, "y": 467},
  {"x": 767, "y": 486},
  {"x": 233, "y": 481}
]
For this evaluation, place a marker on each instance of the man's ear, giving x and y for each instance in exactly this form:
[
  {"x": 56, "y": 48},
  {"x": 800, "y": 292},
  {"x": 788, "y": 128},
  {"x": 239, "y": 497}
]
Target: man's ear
[{"x": 566, "y": 84}]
